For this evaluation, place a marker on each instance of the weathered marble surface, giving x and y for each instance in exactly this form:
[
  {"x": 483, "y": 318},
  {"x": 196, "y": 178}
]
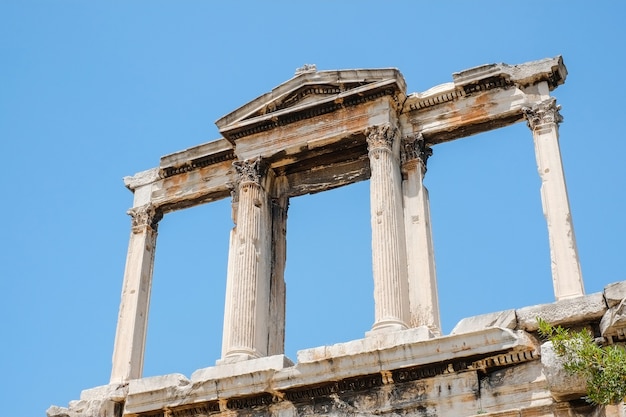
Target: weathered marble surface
[
  {"x": 565, "y": 312},
  {"x": 505, "y": 319},
  {"x": 325, "y": 129},
  {"x": 615, "y": 293},
  {"x": 482, "y": 370}
]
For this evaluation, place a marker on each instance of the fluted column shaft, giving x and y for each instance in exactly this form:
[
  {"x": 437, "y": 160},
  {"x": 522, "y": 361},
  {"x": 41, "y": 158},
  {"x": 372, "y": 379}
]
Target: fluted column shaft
[
  {"x": 388, "y": 244},
  {"x": 543, "y": 119},
  {"x": 247, "y": 290},
  {"x": 132, "y": 323},
  {"x": 422, "y": 276}
]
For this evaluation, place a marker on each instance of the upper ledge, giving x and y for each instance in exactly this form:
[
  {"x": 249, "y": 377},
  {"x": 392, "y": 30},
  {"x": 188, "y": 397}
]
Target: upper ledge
[
  {"x": 603, "y": 310},
  {"x": 183, "y": 161},
  {"x": 141, "y": 178},
  {"x": 551, "y": 70},
  {"x": 196, "y": 157},
  {"x": 490, "y": 76},
  {"x": 408, "y": 350},
  {"x": 390, "y": 353}
]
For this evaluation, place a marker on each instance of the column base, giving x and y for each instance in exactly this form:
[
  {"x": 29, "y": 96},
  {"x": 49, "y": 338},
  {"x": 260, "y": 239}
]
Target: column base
[
  {"x": 238, "y": 355},
  {"x": 223, "y": 370},
  {"x": 569, "y": 296},
  {"x": 386, "y": 326}
]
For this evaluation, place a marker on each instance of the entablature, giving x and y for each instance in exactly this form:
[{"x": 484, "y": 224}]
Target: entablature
[
  {"x": 311, "y": 129},
  {"x": 479, "y": 99}
]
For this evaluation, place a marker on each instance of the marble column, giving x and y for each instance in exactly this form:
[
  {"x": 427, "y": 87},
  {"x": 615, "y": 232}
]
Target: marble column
[
  {"x": 388, "y": 243},
  {"x": 543, "y": 119},
  {"x": 132, "y": 323},
  {"x": 422, "y": 277},
  {"x": 246, "y": 320}
]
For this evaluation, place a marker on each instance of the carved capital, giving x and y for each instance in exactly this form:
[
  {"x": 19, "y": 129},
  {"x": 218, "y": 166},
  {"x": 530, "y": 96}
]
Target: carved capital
[
  {"x": 380, "y": 136},
  {"x": 542, "y": 113},
  {"x": 144, "y": 216},
  {"x": 414, "y": 147},
  {"x": 250, "y": 170}
]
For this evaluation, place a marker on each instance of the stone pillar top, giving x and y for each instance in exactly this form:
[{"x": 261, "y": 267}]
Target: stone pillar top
[
  {"x": 381, "y": 136},
  {"x": 250, "y": 170},
  {"x": 144, "y": 216},
  {"x": 414, "y": 147},
  {"x": 543, "y": 112}
]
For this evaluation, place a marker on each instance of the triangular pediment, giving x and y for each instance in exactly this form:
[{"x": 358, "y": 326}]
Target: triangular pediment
[{"x": 307, "y": 90}]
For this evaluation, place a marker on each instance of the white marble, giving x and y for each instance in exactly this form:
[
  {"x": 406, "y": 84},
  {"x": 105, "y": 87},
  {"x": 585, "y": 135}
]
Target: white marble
[
  {"x": 613, "y": 323},
  {"x": 322, "y": 130},
  {"x": 614, "y": 293},
  {"x": 543, "y": 119},
  {"x": 505, "y": 319},
  {"x": 564, "y": 312},
  {"x": 562, "y": 384},
  {"x": 132, "y": 322},
  {"x": 246, "y": 316},
  {"x": 391, "y": 303},
  {"x": 420, "y": 252}
]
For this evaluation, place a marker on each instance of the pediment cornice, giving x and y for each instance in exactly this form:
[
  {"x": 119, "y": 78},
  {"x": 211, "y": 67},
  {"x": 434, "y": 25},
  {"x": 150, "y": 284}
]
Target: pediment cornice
[{"x": 310, "y": 94}]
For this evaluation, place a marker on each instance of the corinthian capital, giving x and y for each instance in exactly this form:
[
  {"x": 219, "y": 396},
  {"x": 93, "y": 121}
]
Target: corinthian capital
[
  {"x": 414, "y": 147},
  {"x": 250, "y": 170},
  {"x": 544, "y": 112},
  {"x": 380, "y": 136},
  {"x": 146, "y": 215}
]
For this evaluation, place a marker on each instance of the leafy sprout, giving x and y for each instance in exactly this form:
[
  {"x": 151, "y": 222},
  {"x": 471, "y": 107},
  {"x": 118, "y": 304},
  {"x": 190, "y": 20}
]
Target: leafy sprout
[{"x": 603, "y": 367}]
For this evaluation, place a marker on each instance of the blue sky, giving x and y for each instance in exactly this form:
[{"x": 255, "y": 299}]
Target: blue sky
[{"x": 94, "y": 91}]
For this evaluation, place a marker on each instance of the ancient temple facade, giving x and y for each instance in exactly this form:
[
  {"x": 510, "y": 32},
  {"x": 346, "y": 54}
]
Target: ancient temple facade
[{"x": 318, "y": 131}]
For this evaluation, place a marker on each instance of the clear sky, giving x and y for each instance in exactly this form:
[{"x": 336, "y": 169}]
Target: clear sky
[{"x": 91, "y": 91}]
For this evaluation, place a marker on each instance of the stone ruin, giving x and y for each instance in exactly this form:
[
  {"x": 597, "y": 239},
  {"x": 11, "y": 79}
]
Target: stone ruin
[{"x": 325, "y": 129}]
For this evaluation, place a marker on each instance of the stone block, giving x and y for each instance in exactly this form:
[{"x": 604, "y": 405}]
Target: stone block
[
  {"x": 516, "y": 387},
  {"x": 569, "y": 311},
  {"x": 115, "y": 392},
  {"x": 504, "y": 319},
  {"x": 613, "y": 322},
  {"x": 373, "y": 341},
  {"x": 563, "y": 385},
  {"x": 156, "y": 392},
  {"x": 141, "y": 178},
  {"x": 236, "y": 379},
  {"x": 102, "y": 401},
  {"x": 55, "y": 411},
  {"x": 346, "y": 362},
  {"x": 82, "y": 408},
  {"x": 227, "y": 370},
  {"x": 614, "y": 293}
]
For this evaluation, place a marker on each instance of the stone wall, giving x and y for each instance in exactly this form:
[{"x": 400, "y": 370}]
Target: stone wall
[{"x": 491, "y": 365}]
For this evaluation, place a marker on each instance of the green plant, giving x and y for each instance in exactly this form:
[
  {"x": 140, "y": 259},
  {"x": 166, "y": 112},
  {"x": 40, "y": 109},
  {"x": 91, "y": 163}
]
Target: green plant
[{"x": 603, "y": 367}]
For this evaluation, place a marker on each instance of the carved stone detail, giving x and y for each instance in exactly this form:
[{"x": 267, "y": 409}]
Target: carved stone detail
[
  {"x": 250, "y": 170},
  {"x": 414, "y": 147},
  {"x": 542, "y": 113},
  {"x": 306, "y": 68},
  {"x": 146, "y": 215},
  {"x": 381, "y": 136}
]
